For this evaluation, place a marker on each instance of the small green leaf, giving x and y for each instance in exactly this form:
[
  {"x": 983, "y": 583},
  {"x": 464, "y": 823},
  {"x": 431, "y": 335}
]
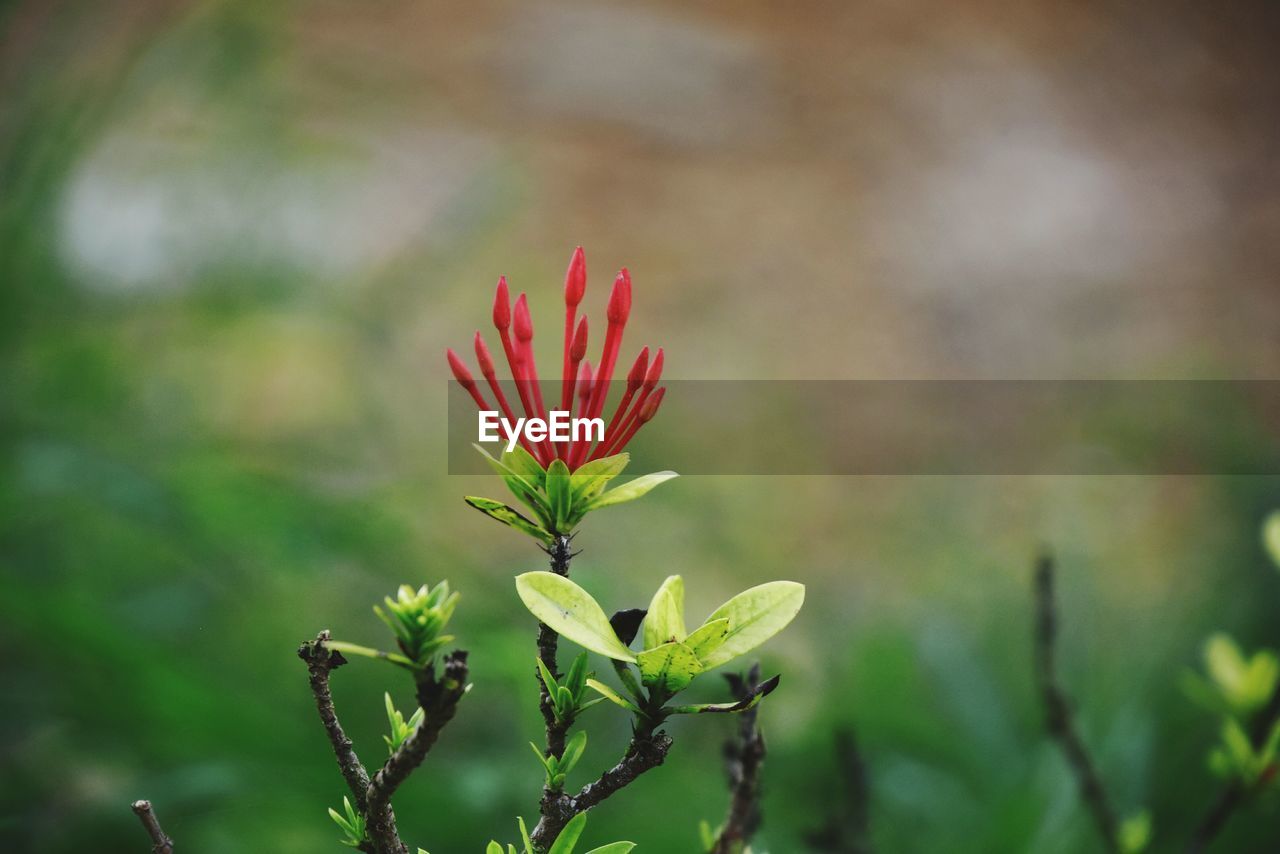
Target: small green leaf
[
  {"x": 524, "y": 834},
  {"x": 612, "y": 695},
  {"x": 629, "y": 491},
  {"x": 669, "y": 667},
  {"x": 524, "y": 477},
  {"x": 763, "y": 690},
  {"x": 522, "y": 463},
  {"x": 509, "y": 516},
  {"x": 568, "y": 837},
  {"x": 547, "y": 679},
  {"x": 664, "y": 621},
  {"x": 613, "y": 848},
  {"x": 573, "y": 751},
  {"x": 590, "y": 478},
  {"x": 548, "y": 762},
  {"x": 570, "y": 610},
  {"x": 754, "y": 616},
  {"x": 493, "y": 848}
]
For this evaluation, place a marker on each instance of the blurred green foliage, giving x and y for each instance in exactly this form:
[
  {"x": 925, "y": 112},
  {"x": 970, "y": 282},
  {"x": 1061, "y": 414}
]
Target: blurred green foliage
[{"x": 201, "y": 471}]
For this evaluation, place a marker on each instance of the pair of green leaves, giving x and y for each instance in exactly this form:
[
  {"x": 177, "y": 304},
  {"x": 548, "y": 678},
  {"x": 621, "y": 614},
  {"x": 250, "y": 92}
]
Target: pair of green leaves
[
  {"x": 416, "y": 618},
  {"x": 565, "y": 843},
  {"x": 351, "y": 823},
  {"x": 400, "y": 728},
  {"x": 559, "y": 498},
  {"x": 1236, "y": 757},
  {"x": 671, "y": 657},
  {"x": 1236, "y": 686},
  {"x": 558, "y": 768},
  {"x": 567, "y": 695}
]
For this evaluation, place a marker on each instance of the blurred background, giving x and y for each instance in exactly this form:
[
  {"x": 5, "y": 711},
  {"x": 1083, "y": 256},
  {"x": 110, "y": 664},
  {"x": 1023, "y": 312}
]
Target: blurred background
[{"x": 236, "y": 237}]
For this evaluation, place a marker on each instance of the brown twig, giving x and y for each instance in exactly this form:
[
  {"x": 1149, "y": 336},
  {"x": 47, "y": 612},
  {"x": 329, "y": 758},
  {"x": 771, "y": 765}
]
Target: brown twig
[
  {"x": 1058, "y": 714},
  {"x": 321, "y": 661},
  {"x": 647, "y": 750},
  {"x": 743, "y": 754},
  {"x": 160, "y": 843},
  {"x": 848, "y": 829},
  {"x": 1234, "y": 794},
  {"x": 438, "y": 698}
]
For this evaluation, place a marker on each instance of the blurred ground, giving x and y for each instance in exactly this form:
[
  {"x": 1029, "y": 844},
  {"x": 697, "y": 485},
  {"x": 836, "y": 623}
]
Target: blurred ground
[{"x": 236, "y": 238}]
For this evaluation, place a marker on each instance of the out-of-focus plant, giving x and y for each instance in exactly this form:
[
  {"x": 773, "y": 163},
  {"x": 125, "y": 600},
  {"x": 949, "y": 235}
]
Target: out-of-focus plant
[
  {"x": 1233, "y": 684},
  {"x": 560, "y": 482}
]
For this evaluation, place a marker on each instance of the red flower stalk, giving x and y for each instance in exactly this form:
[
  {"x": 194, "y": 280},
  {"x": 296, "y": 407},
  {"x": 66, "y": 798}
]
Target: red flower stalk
[{"x": 590, "y": 387}]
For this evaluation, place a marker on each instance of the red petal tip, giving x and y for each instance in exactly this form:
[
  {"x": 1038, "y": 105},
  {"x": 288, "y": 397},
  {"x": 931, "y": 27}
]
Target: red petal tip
[
  {"x": 523, "y": 322},
  {"x": 502, "y": 305},
  {"x": 575, "y": 281},
  {"x": 620, "y": 298},
  {"x": 584, "y": 380},
  {"x": 651, "y": 405},
  {"x": 655, "y": 370},
  {"x": 579, "y": 346}
]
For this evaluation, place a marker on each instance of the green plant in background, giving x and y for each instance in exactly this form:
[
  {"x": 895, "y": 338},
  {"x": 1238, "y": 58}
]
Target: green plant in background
[
  {"x": 1233, "y": 684},
  {"x": 352, "y": 824}
]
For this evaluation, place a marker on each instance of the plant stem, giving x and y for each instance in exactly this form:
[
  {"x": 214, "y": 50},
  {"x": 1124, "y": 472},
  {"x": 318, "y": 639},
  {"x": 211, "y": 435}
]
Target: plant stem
[
  {"x": 1234, "y": 794},
  {"x": 1059, "y": 719},
  {"x": 848, "y": 828},
  {"x": 743, "y": 754},
  {"x": 548, "y": 641},
  {"x": 160, "y": 843}
]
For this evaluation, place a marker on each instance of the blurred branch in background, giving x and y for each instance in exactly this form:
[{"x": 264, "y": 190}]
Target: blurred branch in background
[
  {"x": 848, "y": 828},
  {"x": 743, "y": 754},
  {"x": 1059, "y": 719},
  {"x": 160, "y": 843},
  {"x": 1235, "y": 793}
]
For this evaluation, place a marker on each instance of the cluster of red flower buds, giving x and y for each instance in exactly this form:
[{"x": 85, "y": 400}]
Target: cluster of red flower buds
[{"x": 638, "y": 404}]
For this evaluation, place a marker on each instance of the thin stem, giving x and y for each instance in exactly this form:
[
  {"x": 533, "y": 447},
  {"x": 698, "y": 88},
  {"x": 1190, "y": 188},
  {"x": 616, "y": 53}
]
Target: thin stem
[
  {"x": 744, "y": 754},
  {"x": 321, "y": 661},
  {"x": 548, "y": 643},
  {"x": 1059, "y": 718},
  {"x": 160, "y": 843},
  {"x": 848, "y": 828},
  {"x": 1234, "y": 794}
]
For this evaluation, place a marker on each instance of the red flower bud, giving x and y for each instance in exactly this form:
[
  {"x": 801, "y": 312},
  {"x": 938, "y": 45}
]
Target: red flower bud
[
  {"x": 651, "y": 405},
  {"x": 523, "y": 322},
  {"x": 484, "y": 358},
  {"x": 655, "y": 371},
  {"x": 575, "y": 281},
  {"x": 502, "y": 305},
  {"x": 579, "y": 348},
  {"x": 638, "y": 370},
  {"x": 460, "y": 372},
  {"x": 620, "y": 298}
]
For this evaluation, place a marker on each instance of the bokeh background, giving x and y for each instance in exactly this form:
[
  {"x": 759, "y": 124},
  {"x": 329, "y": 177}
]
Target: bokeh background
[{"x": 235, "y": 238}]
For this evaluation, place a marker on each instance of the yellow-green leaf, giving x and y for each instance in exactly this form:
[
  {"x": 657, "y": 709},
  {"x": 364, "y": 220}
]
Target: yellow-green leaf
[
  {"x": 754, "y": 616},
  {"x": 664, "y": 621},
  {"x": 669, "y": 667},
  {"x": 629, "y": 491},
  {"x": 570, "y": 610}
]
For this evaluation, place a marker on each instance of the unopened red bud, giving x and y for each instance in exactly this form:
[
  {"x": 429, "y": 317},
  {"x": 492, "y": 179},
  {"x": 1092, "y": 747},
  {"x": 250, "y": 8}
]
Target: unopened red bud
[
  {"x": 502, "y": 305},
  {"x": 638, "y": 370},
  {"x": 575, "y": 281},
  {"x": 460, "y": 372},
  {"x": 584, "y": 380},
  {"x": 651, "y": 405},
  {"x": 579, "y": 348},
  {"x": 655, "y": 370},
  {"x": 523, "y": 322},
  {"x": 483, "y": 357},
  {"x": 620, "y": 298}
]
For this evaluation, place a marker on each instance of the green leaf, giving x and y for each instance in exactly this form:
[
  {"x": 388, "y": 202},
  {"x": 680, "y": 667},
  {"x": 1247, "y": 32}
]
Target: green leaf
[
  {"x": 559, "y": 493},
  {"x": 613, "y": 848},
  {"x": 493, "y": 848},
  {"x": 524, "y": 834},
  {"x": 547, "y": 679},
  {"x": 570, "y": 610},
  {"x": 763, "y": 690},
  {"x": 524, "y": 477},
  {"x": 630, "y": 490},
  {"x": 708, "y": 638},
  {"x": 669, "y": 667},
  {"x": 754, "y": 616},
  {"x": 612, "y": 695},
  {"x": 664, "y": 621},
  {"x": 1271, "y": 536},
  {"x": 509, "y": 516},
  {"x": 522, "y": 463},
  {"x": 589, "y": 479},
  {"x": 568, "y": 837},
  {"x": 577, "y": 676},
  {"x": 573, "y": 751},
  {"x": 548, "y": 762}
]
